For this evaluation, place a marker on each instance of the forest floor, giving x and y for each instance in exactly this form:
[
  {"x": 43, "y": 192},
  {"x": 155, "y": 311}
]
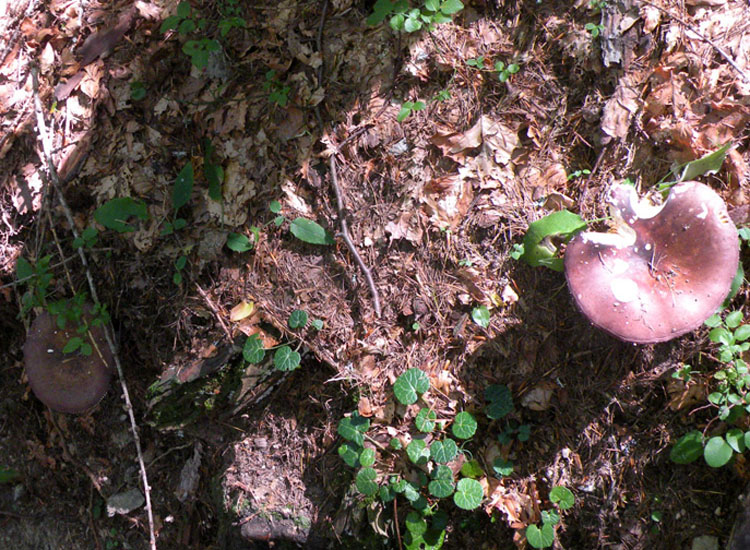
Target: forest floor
[{"x": 441, "y": 157}]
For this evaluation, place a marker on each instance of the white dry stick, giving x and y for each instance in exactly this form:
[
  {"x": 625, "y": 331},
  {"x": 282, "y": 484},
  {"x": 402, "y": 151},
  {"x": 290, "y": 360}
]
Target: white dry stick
[{"x": 108, "y": 333}]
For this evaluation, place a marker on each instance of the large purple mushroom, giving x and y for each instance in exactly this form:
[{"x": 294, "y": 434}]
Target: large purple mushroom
[{"x": 663, "y": 270}]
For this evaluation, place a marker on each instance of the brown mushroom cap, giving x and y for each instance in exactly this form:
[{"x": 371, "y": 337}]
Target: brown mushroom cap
[
  {"x": 664, "y": 271},
  {"x": 65, "y": 382}
]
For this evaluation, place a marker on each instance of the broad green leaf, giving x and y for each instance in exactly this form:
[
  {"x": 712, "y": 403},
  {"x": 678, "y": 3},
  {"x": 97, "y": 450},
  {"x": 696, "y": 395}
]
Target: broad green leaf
[
  {"x": 472, "y": 469},
  {"x": 183, "y": 10},
  {"x": 500, "y": 401},
  {"x": 365, "y": 481},
  {"x": 180, "y": 263},
  {"x": 481, "y": 316},
  {"x": 115, "y": 212},
  {"x": 395, "y": 443},
  {"x": 310, "y": 232},
  {"x": 469, "y": 494},
  {"x": 449, "y": 7},
  {"x": 410, "y": 385},
  {"x": 23, "y": 268},
  {"x": 169, "y": 23},
  {"x": 540, "y": 538},
  {"x": 713, "y": 321},
  {"x": 562, "y": 496},
  {"x": 721, "y": 335},
  {"x": 238, "y": 242},
  {"x": 73, "y": 344},
  {"x": 425, "y": 420},
  {"x": 443, "y": 452},
  {"x": 538, "y": 249},
  {"x": 707, "y": 164},
  {"x": 733, "y": 319},
  {"x": 717, "y": 452},
  {"x": 349, "y": 454},
  {"x": 183, "y": 186},
  {"x": 441, "y": 488},
  {"x": 502, "y": 467},
  {"x": 253, "y": 351},
  {"x": 736, "y": 440},
  {"x": 418, "y": 452},
  {"x": 380, "y": 11},
  {"x": 464, "y": 425},
  {"x": 215, "y": 176},
  {"x": 688, "y": 448},
  {"x": 297, "y": 319},
  {"x": 353, "y": 427},
  {"x": 274, "y": 207},
  {"x": 742, "y": 333},
  {"x": 367, "y": 457},
  {"x": 286, "y": 359},
  {"x": 551, "y": 517},
  {"x": 416, "y": 524}
]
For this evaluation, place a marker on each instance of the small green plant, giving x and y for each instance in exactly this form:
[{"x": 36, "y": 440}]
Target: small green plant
[
  {"x": 407, "y": 108},
  {"x": 597, "y": 5},
  {"x": 594, "y": 28},
  {"x": 503, "y": 71},
  {"x": 578, "y": 173},
  {"x": 544, "y": 536},
  {"x": 481, "y": 316},
  {"x": 278, "y": 93},
  {"x": 539, "y": 247},
  {"x": 402, "y": 17},
  {"x": 419, "y": 471},
  {"x": 137, "y": 90}
]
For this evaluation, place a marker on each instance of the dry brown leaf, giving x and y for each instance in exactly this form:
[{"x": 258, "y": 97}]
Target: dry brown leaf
[
  {"x": 447, "y": 199},
  {"x": 620, "y": 108},
  {"x": 405, "y": 227}
]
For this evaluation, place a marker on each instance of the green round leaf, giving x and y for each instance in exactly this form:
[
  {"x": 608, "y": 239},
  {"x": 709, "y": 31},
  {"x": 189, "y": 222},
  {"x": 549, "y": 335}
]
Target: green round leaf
[
  {"x": 736, "y": 440},
  {"x": 742, "y": 333},
  {"x": 551, "y": 517},
  {"x": 502, "y": 467},
  {"x": 310, "y": 232},
  {"x": 481, "y": 316},
  {"x": 418, "y": 452},
  {"x": 352, "y": 427},
  {"x": 275, "y": 207},
  {"x": 443, "y": 452},
  {"x": 416, "y": 524},
  {"x": 472, "y": 469},
  {"x": 469, "y": 494},
  {"x": 441, "y": 488},
  {"x": 297, "y": 319},
  {"x": 286, "y": 359},
  {"x": 113, "y": 213},
  {"x": 688, "y": 448},
  {"x": 409, "y": 385},
  {"x": 425, "y": 420},
  {"x": 317, "y": 324},
  {"x": 540, "y": 538},
  {"x": 500, "y": 401},
  {"x": 717, "y": 452},
  {"x": 253, "y": 351},
  {"x": 733, "y": 319},
  {"x": 367, "y": 457},
  {"x": 73, "y": 344},
  {"x": 395, "y": 443},
  {"x": 464, "y": 425},
  {"x": 562, "y": 496},
  {"x": 238, "y": 242},
  {"x": 365, "y": 481},
  {"x": 180, "y": 263},
  {"x": 349, "y": 455}
]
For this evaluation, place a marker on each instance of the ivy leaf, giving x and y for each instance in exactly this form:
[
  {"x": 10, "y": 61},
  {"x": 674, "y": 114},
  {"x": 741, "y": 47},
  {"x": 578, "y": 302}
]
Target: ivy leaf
[
  {"x": 441, "y": 485},
  {"x": 286, "y": 359},
  {"x": 418, "y": 452},
  {"x": 349, "y": 455},
  {"x": 310, "y": 232},
  {"x": 500, "y": 401},
  {"x": 425, "y": 420},
  {"x": 464, "y": 425},
  {"x": 688, "y": 448},
  {"x": 481, "y": 316},
  {"x": 562, "y": 496},
  {"x": 717, "y": 452},
  {"x": 297, "y": 319},
  {"x": 540, "y": 538},
  {"x": 443, "y": 452},
  {"x": 183, "y": 186},
  {"x": 365, "y": 481},
  {"x": 469, "y": 494},
  {"x": 253, "y": 351},
  {"x": 410, "y": 385},
  {"x": 353, "y": 427},
  {"x": 367, "y": 457}
]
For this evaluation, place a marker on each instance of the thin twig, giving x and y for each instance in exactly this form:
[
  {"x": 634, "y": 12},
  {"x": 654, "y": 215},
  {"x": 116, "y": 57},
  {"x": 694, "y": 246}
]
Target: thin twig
[
  {"x": 216, "y": 311},
  {"x": 348, "y": 239},
  {"x": 745, "y": 76},
  {"x": 335, "y": 183},
  {"x": 108, "y": 333},
  {"x": 395, "y": 522}
]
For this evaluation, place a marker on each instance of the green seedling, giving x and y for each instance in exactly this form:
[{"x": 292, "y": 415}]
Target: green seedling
[
  {"x": 578, "y": 173},
  {"x": 505, "y": 71},
  {"x": 597, "y": 5},
  {"x": 544, "y": 536},
  {"x": 594, "y": 29},
  {"x": 137, "y": 90},
  {"x": 87, "y": 239},
  {"x": 402, "y": 17},
  {"x": 481, "y": 316},
  {"x": 407, "y": 108},
  {"x": 114, "y": 213},
  {"x": 278, "y": 93}
]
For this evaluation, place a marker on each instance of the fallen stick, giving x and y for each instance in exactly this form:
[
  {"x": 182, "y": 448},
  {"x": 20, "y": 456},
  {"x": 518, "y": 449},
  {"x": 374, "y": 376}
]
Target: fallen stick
[{"x": 55, "y": 180}]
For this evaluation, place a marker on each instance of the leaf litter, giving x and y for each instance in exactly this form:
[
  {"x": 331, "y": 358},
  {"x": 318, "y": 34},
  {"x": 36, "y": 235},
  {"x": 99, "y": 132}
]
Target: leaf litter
[{"x": 456, "y": 182}]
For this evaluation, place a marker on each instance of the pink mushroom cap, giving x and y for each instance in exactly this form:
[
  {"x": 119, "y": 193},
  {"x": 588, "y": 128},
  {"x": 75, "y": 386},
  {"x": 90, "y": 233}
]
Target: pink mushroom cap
[{"x": 663, "y": 271}]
